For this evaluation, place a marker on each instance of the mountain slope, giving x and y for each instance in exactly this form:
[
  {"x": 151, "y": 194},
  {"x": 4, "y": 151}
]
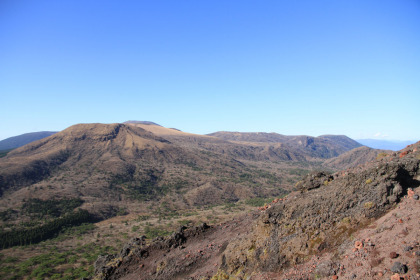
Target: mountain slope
[
  {"x": 21, "y": 140},
  {"x": 113, "y": 164},
  {"x": 323, "y": 217},
  {"x": 353, "y": 158},
  {"x": 326, "y": 146},
  {"x": 319, "y": 219}
]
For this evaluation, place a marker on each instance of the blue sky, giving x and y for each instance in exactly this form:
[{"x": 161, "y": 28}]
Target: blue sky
[{"x": 291, "y": 67}]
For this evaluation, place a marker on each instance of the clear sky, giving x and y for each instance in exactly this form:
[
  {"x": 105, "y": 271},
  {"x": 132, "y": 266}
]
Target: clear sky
[{"x": 291, "y": 67}]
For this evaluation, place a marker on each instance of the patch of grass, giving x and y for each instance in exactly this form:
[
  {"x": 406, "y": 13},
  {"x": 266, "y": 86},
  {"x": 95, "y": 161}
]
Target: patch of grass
[
  {"x": 141, "y": 218},
  {"x": 52, "y": 207},
  {"x": 10, "y": 260},
  {"x": 346, "y": 220},
  {"x": 121, "y": 212},
  {"x": 258, "y": 201},
  {"x": 381, "y": 155},
  {"x": 152, "y": 232},
  {"x": 55, "y": 264},
  {"x": 229, "y": 206},
  {"x": 184, "y": 222},
  {"x": 369, "y": 205}
]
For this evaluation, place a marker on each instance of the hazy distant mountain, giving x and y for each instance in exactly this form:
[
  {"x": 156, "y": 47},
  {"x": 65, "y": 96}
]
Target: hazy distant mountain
[
  {"x": 21, "y": 140},
  {"x": 385, "y": 144}
]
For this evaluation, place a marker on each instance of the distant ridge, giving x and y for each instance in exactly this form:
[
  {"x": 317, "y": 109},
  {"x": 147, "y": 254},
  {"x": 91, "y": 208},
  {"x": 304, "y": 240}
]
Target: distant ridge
[
  {"x": 324, "y": 146},
  {"x": 23, "y": 139},
  {"x": 385, "y": 144},
  {"x": 354, "y": 157},
  {"x": 141, "y": 122}
]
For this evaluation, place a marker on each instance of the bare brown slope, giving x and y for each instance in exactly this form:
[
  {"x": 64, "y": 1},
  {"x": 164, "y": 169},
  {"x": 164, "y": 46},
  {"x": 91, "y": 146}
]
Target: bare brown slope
[
  {"x": 115, "y": 164},
  {"x": 241, "y": 150},
  {"x": 287, "y": 232},
  {"x": 353, "y": 158},
  {"x": 325, "y": 146},
  {"x": 107, "y": 147}
]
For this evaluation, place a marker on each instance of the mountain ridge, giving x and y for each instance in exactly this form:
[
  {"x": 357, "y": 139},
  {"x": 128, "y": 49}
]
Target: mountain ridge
[{"x": 326, "y": 146}]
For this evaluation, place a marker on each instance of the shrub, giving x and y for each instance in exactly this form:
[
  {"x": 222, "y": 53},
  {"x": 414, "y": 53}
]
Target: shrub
[
  {"x": 152, "y": 232},
  {"x": 381, "y": 155},
  {"x": 257, "y": 201},
  {"x": 369, "y": 205}
]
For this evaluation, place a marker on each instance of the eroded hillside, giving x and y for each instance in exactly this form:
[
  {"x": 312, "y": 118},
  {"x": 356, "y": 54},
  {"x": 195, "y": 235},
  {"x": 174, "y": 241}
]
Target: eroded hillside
[
  {"x": 87, "y": 189},
  {"x": 324, "y": 215},
  {"x": 106, "y": 164}
]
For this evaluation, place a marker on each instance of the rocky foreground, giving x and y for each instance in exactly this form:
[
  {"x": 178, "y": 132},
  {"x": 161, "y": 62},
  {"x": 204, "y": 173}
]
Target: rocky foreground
[{"x": 361, "y": 223}]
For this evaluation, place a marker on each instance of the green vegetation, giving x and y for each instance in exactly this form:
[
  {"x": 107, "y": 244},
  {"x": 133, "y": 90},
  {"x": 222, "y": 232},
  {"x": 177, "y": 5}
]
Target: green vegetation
[
  {"x": 152, "y": 232},
  {"x": 381, "y": 155},
  {"x": 147, "y": 190},
  {"x": 298, "y": 172},
  {"x": 369, "y": 205},
  {"x": 7, "y": 214},
  {"x": 147, "y": 187},
  {"x": 258, "y": 201},
  {"x": 141, "y": 218},
  {"x": 77, "y": 231},
  {"x": 54, "y": 264},
  {"x": 122, "y": 211},
  {"x": 52, "y": 207},
  {"x": 185, "y": 222},
  {"x": 27, "y": 236}
]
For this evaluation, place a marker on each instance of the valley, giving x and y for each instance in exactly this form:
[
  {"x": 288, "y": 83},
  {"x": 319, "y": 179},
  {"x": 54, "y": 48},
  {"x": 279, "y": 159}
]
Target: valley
[{"x": 139, "y": 178}]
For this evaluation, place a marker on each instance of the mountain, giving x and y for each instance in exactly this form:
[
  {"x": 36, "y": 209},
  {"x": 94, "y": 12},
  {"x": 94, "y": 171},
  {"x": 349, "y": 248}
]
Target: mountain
[
  {"x": 354, "y": 157},
  {"x": 21, "y": 140},
  {"x": 385, "y": 144},
  {"x": 148, "y": 162},
  {"x": 107, "y": 165},
  {"x": 340, "y": 225},
  {"x": 325, "y": 146}
]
